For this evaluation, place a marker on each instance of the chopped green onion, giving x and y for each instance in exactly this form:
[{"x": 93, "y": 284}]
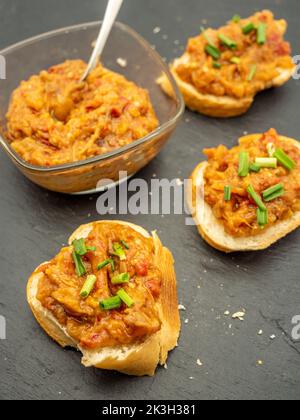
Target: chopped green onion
[
  {"x": 217, "y": 65},
  {"x": 266, "y": 162},
  {"x": 256, "y": 198},
  {"x": 261, "y": 34},
  {"x": 236, "y": 18},
  {"x": 208, "y": 39},
  {"x": 244, "y": 164},
  {"x": 79, "y": 266},
  {"x": 112, "y": 264},
  {"x": 235, "y": 60},
  {"x": 80, "y": 247},
  {"x": 88, "y": 286},
  {"x": 213, "y": 51},
  {"x": 248, "y": 28},
  {"x": 284, "y": 159},
  {"x": 227, "y": 193},
  {"x": 273, "y": 189},
  {"x": 119, "y": 251},
  {"x": 262, "y": 217},
  {"x": 111, "y": 303},
  {"x": 254, "y": 167},
  {"x": 274, "y": 192},
  {"x": 271, "y": 149},
  {"x": 274, "y": 196},
  {"x": 105, "y": 263},
  {"x": 252, "y": 73},
  {"x": 125, "y": 245},
  {"x": 121, "y": 278},
  {"x": 125, "y": 298},
  {"x": 91, "y": 248},
  {"x": 227, "y": 41}
]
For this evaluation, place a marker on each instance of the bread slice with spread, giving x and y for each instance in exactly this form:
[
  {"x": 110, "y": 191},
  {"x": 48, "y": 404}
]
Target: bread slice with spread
[
  {"x": 247, "y": 198},
  {"x": 112, "y": 295},
  {"x": 222, "y": 70}
]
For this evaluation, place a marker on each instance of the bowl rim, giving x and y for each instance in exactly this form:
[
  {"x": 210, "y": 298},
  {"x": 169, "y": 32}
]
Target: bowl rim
[{"x": 123, "y": 150}]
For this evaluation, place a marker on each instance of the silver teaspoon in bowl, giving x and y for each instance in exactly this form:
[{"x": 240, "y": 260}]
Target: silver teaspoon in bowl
[{"x": 112, "y": 10}]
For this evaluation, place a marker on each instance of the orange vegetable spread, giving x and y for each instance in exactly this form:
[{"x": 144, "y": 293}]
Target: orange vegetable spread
[
  {"x": 54, "y": 119},
  {"x": 243, "y": 69},
  {"x": 84, "y": 319},
  {"x": 239, "y": 214}
]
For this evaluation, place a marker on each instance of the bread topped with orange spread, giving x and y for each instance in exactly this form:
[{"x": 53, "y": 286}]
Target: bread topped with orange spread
[
  {"x": 54, "y": 118},
  {"x": 248, "y": 197},
  {"x": 111, "y": 294},
  {"x": 222, "y": 70}
]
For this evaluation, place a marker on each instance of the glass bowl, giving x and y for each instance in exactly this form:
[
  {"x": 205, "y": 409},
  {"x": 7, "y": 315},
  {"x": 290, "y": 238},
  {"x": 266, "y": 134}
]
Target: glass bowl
[{"x": 144, "y": 66}]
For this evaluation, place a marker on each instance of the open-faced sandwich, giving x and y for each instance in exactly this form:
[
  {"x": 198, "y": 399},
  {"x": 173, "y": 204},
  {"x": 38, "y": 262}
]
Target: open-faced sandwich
[
  {"x": 111, "y": 294},
  {"x": 222, "y": 70},
  {"x": 247, "y": 198}
]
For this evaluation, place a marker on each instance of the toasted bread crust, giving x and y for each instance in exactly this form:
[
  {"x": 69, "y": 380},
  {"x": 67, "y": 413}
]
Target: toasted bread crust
[
  {"x": 217, "y": 106},
  {"x": 213, "y": 231},
  {"x": 140, "y": 359}
]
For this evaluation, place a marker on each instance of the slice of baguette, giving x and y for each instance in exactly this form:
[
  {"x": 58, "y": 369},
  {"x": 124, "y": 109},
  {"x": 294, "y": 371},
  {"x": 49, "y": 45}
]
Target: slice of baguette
[
  {"x": 137, "y": 359},
  {"x": 213, "y": 231},
  {"x": 219, "y": 106}
]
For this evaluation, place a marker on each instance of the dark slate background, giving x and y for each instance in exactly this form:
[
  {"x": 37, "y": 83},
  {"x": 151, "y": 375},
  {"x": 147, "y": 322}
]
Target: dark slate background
[{"x": 34, "y": 224}]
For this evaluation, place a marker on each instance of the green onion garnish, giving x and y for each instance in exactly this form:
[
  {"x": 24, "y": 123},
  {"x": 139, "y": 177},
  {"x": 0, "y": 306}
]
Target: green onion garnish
[
  {"x": 227, "y": 193},
  {"x": 252, "y": 73},
  {"x": 121, "y": 278},
  {"x": 244, "y": 164},
  {"x": 255, "y": 168},
  {"x": 125, "y": 298},
  {"x": 262, "y": 217},
  {"x": 79, "y": 266},
  {"x": 213, "y": 51},
  {"x": 111, "y": 303},
  {"x": 119, "y": 251},
  {"x": 91, "y": 248},
  {"x": 266, "y": 162},
  {"x": 208, "y": 39},
  {"x": 284, "y": 159},
  {"x": 125, "y": 245},
  {"x": 248, "y": 28},
  {"x": 217, "y": 65},
  {"x": 227, "y": 41},
  {"x": 236, "y": 18},
  {"x": 256, "y": 198},
  {"x": 271, "y": 149},
  {"x": 261, "y": 34},
  {"x": 235, "y": 60},
  {"x": 112, "y": 265},
  {"x": 88, "y": 286},
  {"x": 106, "y": 263},
  {"x": 274, "y": 192},
  {"x": 80, "y": 247}
]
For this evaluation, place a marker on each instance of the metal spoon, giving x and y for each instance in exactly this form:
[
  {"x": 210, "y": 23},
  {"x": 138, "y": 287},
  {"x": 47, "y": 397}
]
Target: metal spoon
[{"x": 111, "y": 14}]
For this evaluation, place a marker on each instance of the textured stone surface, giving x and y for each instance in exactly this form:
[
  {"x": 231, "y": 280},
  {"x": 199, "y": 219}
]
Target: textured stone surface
[{"x": 212, "y": 286}]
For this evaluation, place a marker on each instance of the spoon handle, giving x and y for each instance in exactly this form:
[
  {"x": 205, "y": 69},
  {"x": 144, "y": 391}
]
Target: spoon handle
[{"x": 111, "y": 14}]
